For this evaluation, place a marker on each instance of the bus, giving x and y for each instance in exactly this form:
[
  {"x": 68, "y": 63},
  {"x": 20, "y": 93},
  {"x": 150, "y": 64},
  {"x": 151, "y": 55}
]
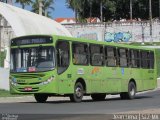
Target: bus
[{"x": 52, "y": 65}]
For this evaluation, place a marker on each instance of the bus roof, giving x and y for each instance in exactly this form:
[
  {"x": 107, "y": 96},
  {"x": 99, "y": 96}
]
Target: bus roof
[{"x": 123, "y": 45}]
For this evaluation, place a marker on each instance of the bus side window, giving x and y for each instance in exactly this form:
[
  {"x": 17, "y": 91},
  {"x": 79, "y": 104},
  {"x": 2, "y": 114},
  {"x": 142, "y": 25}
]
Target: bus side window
[
  {"x": 144, "y": 57},
  {"x": 151, "y": 57},
  {"x": 80, "y": 53},
  {"x": 123, "y": 57},
  {"x": 134, "y": 58},
  {"x": 96, "y": 55},
  {"x": 110, "y": 56},
  {"x": 62, "y": 56}
]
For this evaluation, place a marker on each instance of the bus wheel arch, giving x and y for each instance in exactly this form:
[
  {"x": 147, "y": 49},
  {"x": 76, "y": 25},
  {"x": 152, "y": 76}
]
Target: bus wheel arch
[{"x": 82, "y": 81}]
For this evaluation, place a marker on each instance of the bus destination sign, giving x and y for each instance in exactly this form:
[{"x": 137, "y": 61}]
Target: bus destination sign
[{"x": 31, "y": 40}]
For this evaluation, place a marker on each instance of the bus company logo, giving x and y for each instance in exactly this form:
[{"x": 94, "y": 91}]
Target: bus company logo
[
  {"x": 9, "y": 117},
  {"x": 80, "y": 71},
  {"x": 95, "y": 70}
]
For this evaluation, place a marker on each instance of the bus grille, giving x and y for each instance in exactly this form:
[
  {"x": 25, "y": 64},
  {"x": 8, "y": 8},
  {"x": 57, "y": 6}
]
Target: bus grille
[{"x": 28, "y": 76}]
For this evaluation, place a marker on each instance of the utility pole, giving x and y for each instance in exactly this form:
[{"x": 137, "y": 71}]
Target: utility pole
[
  {"x": 150, "y": 19},
  {"x": 101, "y": 11},
  {"x": 40, "y": 7},
  {"x": 131, "y": 2}
]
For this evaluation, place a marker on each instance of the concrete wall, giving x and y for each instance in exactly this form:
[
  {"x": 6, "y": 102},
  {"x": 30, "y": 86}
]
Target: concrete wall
[
  {"x": 117, "y": 31},
  {"x": 4, "y": 78}
]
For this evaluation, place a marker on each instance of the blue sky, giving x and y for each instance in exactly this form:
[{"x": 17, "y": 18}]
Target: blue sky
[{"x": 60, "y": 9}]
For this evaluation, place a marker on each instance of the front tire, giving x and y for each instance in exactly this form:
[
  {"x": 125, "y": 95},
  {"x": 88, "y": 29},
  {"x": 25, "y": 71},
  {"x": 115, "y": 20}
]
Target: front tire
[
  {"x": 78, "y": 93},
  {"x": 41, "y": 98}
]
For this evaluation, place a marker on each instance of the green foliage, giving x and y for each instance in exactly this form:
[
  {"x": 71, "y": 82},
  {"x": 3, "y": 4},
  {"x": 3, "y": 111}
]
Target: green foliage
[
  {"x": 47, "y": 6},
  {"x": 113, "y": 9},
  {"x": 24, "y": 2},
  {"x": 2, "y": 57}
]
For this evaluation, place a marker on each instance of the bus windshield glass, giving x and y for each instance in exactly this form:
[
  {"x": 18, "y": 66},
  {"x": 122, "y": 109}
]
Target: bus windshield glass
[{"x": 36, "y": 59}]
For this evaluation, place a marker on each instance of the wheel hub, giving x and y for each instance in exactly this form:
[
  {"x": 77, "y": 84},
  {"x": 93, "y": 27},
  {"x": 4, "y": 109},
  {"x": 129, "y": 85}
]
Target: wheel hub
[
  {"x": 132, "y": 91},
  {"x": 78, "y": 92}
]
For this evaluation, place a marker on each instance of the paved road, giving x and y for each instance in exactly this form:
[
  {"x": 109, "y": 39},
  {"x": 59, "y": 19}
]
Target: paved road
[{"x": 150, "y": 100}]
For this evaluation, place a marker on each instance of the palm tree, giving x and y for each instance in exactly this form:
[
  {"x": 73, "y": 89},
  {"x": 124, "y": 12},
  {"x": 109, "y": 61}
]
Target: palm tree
[
  {"x": 47, "y": 6},
  {"x": 78, "y": 7},
  {"x": 24, "y": 2},
  {"x": 74, "y": 6}
]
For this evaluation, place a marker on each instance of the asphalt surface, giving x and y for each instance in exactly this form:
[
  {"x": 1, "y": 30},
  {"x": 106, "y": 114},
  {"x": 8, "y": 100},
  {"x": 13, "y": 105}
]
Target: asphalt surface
[{"x": 67, "y": 110}]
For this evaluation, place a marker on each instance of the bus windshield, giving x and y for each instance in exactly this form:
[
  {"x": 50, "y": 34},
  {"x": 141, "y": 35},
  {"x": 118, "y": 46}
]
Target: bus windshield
[{"x": 36, "y": 59}]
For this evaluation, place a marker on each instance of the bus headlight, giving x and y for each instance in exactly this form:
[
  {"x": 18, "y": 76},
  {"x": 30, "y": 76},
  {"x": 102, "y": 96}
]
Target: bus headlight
[
  {"x": 13, "y": 81},
  {"x": 47, "y": 81}
]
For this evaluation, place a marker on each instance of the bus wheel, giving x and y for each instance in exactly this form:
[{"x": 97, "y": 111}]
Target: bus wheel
[
  {"x": 98, "y": 97},
  {"x": 40, "y": 98},
  {"x": 78, "y": 93},
  {"x": 131, "y": 90}
]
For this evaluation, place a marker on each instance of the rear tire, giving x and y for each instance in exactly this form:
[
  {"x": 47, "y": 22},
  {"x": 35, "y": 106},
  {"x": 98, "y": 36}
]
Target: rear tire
[
  {"x": 78, "y": 93},
  {"x": 41, "y": 98},
  {"x": 131, "y": 92},
  {"x": 98, "y": 97}
]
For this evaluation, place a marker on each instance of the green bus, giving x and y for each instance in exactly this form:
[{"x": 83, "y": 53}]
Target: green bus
[{"x": 46, "y": 66}]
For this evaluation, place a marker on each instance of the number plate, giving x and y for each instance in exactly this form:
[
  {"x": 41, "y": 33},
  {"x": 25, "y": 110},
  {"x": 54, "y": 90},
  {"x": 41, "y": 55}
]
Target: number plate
[{"x": 28, "y": 89}]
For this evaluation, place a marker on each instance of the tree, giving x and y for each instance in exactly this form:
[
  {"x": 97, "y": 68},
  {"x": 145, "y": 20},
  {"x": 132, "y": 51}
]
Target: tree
[
  {"x": 47, "y": 6},
  {"x": 78, "y": 7},
  {"x": 113, "y": 9},
  {"x": 91, "y": 8},
  {"x": 24, "y": 2}
]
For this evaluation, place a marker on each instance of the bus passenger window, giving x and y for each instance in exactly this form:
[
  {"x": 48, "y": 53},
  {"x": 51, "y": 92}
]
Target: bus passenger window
[
  {"x": 97, "y": 57},
  {"x": 62, "y": 56},
  {"x": 144, "y": 57},
  {"x": 123, "y": 57},
  {"x": 80, "y": 53},
  {"x": 151, "y": 58},
  {"x": 110, "y": 56}
]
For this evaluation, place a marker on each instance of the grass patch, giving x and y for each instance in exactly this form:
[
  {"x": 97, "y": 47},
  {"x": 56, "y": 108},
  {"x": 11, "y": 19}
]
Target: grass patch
[{"x": 5, "y": 93}]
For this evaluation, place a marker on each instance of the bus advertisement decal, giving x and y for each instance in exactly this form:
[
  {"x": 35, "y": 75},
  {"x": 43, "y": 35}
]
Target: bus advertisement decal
[{"x": 95, "y": 70}]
